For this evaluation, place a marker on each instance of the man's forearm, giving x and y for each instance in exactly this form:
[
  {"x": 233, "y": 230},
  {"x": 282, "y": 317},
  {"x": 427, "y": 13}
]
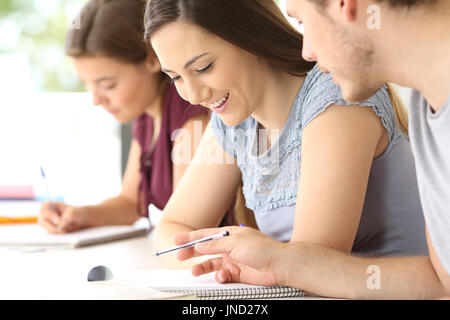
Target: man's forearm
[{"x": 331, "y": 273}]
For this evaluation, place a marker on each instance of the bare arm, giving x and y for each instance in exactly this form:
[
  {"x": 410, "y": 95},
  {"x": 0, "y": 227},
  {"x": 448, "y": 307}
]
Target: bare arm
[
  {"x": 201, "y": 197},
  {"x": 121, "y": 209},
  {"x": 338, "y": 148},
  {"x": 442, "y": 274},
  {"x": 249, "y": 256},
  {"x": 331, "y": 273},
  {"x": 185, "y": 145}
]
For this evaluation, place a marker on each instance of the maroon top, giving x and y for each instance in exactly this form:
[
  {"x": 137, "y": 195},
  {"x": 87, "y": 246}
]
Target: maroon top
[{"x": 156, "y": 167}]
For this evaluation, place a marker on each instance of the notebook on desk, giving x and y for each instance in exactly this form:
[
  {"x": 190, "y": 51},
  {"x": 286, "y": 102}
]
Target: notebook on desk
[
  {"x": 205, "y": 287},
  {"x": 22, "y": 235}
]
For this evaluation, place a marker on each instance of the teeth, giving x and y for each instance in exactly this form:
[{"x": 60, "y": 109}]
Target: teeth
[{"x": 219, "y": 102}]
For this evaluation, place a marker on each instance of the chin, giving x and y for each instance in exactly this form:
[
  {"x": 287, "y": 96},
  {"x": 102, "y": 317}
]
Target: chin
[
  {"x": 352, "y": 92},
  {"x": 122, "y": 120},
  {"x": 232, "y": 121}
]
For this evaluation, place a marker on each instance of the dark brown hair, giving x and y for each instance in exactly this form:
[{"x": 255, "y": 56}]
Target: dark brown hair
[
  {"x": 112, "y": 28},
  {"x": 257, "y": 26}
]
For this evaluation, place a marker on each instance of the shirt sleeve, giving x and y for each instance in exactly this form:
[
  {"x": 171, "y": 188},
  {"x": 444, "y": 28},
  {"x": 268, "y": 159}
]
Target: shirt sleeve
[{"x": 323, "y": 92}]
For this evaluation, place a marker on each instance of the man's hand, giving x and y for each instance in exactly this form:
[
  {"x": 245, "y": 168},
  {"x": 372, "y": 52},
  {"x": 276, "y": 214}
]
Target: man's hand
[{"x": 246, "y": 255}]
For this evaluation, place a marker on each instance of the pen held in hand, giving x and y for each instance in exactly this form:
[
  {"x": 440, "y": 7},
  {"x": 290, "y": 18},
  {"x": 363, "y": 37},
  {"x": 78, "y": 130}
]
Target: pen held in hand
[
  {"x": 49, "y": 198},
  {"x": 193, "y": 243}
]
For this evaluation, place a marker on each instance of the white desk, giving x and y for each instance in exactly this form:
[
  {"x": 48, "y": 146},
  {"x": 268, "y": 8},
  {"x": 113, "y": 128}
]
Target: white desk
[
  {"x": 57, "y": 273},
  {"x": 62, "y": 273}
]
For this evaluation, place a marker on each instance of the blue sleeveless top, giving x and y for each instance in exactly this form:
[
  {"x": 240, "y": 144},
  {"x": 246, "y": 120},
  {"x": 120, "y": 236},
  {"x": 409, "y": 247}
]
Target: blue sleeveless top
[{"x": 391, "y": 223}]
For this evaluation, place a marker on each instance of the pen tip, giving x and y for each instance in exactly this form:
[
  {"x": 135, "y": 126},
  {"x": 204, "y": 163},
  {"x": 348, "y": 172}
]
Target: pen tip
[{"x": 42, "y": 172}]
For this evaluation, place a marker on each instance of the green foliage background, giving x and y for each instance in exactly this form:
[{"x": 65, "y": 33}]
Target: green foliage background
[{"x": 39, "y": 28}]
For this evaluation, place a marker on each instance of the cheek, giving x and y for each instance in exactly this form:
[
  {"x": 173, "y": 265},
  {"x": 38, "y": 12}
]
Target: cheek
[
  {"x": 137, "y": 93},
  {"x": 122, "y": 97}
]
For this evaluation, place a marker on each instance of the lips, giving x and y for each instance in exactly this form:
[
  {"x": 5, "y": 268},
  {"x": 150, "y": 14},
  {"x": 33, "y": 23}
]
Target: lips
[
  {"x": 220, "y": 105},
  {"x": 112, "y": 111}
]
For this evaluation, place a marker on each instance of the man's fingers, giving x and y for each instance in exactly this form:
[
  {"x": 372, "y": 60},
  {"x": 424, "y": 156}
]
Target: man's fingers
[
  {"x": 223, "y": 245},
  {"x": 223, "y": 276},
  {"x": 184, "y": 254},
  {"x": 207, "y": 266},
  {"x": 195, "y": 235},
  {"x": 188, "y": 253}
]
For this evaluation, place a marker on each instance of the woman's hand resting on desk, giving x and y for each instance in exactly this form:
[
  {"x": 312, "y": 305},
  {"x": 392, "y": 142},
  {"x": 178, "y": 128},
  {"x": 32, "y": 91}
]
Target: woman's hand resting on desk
[
  {"x": 247, "y": 255},
  {"x": 65, "y": 219}
]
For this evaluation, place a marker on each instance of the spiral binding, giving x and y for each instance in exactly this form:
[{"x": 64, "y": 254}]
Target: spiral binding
[{"x": 243, "y": 293}]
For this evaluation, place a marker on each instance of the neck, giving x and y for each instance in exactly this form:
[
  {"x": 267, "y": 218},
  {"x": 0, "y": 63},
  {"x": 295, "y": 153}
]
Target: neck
[
  {"x": 276, "y": 104},
  {"x": 415, "y": 53}
]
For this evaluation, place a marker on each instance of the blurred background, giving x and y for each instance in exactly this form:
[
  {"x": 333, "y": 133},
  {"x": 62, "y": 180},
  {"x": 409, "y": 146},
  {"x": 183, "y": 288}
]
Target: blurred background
[{"x": 46, "y": 116}]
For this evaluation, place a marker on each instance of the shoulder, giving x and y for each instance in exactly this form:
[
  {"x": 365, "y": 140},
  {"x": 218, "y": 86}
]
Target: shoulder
[{"x": 320, "y": 92}]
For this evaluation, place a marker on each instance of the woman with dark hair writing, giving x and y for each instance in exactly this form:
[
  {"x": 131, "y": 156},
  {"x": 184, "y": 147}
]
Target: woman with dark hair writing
[{"x": 124, "y": 76}]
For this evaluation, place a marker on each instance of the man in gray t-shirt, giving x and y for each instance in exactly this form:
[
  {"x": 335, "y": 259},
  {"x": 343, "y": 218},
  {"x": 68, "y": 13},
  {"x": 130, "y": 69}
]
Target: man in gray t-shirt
[
  {"x": 430, "y": 142},
  {"x": 365, "y": 44}
]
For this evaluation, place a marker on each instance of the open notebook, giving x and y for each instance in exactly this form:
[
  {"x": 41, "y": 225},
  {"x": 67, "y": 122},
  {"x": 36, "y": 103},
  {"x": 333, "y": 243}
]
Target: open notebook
[
  {"x": 34, "y": 235},
  {"x": 204, "y": 287}
]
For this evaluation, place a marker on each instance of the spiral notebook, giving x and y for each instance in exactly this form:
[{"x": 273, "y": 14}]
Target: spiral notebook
[{"x": 205, "y": 287}]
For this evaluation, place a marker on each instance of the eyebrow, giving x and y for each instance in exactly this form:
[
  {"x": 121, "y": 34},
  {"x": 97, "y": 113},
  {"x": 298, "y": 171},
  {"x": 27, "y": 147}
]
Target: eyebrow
[{"x": 189, "y": 63}]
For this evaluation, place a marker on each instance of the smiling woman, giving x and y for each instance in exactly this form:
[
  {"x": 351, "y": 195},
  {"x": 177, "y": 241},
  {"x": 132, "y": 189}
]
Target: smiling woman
[{"x": 314, "y": 167}]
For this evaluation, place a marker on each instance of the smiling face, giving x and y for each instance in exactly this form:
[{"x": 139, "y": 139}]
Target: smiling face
[
  {"x": 125, "y": 90},
  {"x": 210, "y": 71},
  {"x": 343, "y": 50}
]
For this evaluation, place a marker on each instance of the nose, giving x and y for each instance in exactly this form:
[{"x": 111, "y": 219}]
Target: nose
[
  {"x": 95, "y": 98},
  {"x": 196, "y": 92},
  {"x": 307, "y": 52},
  {"x": 98, "y": 99}
]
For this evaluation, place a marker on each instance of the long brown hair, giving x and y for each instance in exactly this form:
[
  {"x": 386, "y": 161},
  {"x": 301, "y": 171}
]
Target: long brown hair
[
  {"x": 257, "y": 26},
  {"x": 400, "y": 112},
  {"x": 112, "y": 28}
]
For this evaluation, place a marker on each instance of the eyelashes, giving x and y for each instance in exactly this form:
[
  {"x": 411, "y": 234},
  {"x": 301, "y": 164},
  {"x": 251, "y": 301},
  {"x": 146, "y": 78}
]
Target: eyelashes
[
  {"x": 206, "y": 69},
  {"x": 198, "y": 72},
  {"x": 110, "y": 87}
]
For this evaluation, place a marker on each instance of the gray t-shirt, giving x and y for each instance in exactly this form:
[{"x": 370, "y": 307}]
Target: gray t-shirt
[
  {"x": 392, "y": 220},
  {"x": 430, "y": 142}
]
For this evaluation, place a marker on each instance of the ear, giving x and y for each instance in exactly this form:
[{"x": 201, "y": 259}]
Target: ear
[{"x": 152, "y": 63}]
